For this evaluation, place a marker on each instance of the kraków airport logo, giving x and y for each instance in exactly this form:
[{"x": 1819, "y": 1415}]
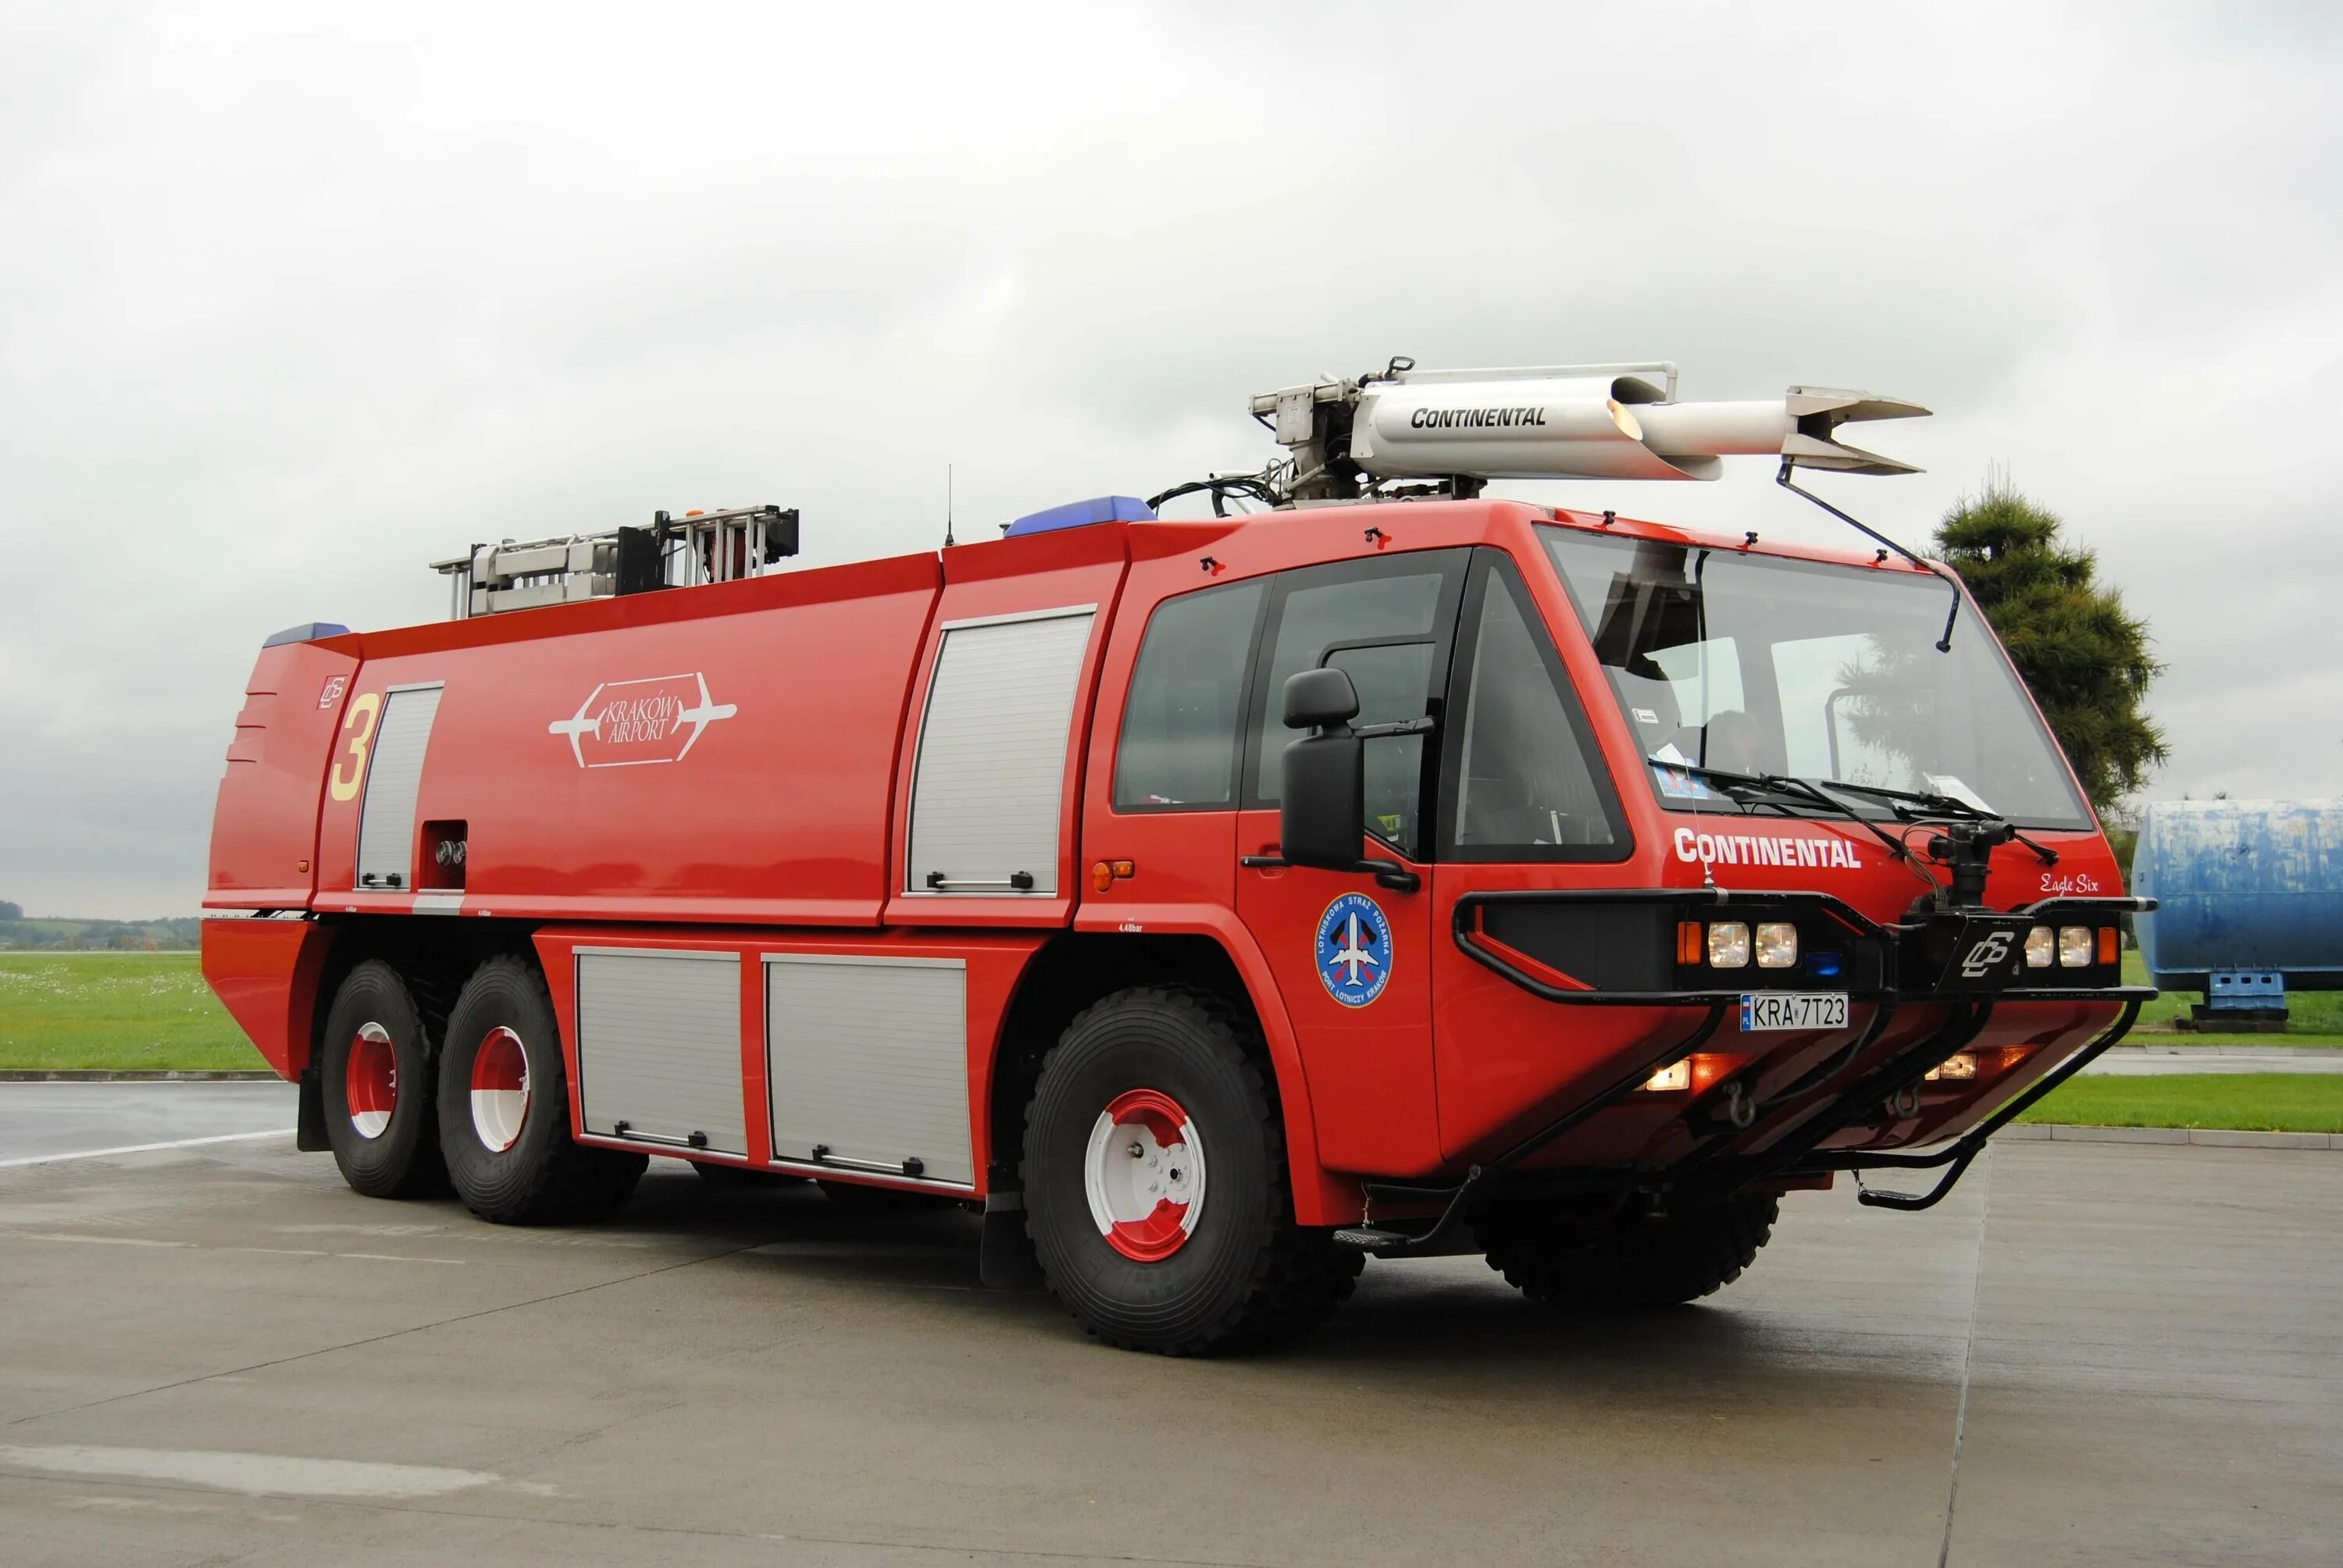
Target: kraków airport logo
[
  {"x": 1354, "y": 949},
  {"x": 627, "y": 723}
]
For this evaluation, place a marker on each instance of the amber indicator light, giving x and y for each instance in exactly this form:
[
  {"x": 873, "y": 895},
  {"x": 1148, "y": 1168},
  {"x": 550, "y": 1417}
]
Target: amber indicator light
[
  {"x": 2109, "y": 951},
  {"x": 1688, "y": 941}
]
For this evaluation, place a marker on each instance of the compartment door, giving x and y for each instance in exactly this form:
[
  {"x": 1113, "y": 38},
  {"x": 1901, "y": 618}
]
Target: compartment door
[
  {"x": 386, "y": 817},
  {"x": 659, "y": 1047},
  {"x": 868, "y": 1063},
  {"x": 989, "y": 789}
]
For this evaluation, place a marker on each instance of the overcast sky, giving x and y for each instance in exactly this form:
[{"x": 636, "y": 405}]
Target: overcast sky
[{"x": 292, "y": 304}]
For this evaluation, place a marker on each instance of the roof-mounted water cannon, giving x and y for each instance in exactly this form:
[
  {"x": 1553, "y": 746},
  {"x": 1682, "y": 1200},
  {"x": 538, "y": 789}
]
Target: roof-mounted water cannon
[{"x": 1553, "y": 422}]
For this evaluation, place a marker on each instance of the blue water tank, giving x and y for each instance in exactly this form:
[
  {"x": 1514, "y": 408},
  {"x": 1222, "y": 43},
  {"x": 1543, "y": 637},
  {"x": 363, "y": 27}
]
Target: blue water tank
[
  {"x": 1080, "y": 513},
  {"x": 2242, "y": 885}
]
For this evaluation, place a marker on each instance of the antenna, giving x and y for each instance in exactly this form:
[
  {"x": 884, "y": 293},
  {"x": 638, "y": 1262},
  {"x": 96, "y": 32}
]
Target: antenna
[{"x": 948, "y": 506}]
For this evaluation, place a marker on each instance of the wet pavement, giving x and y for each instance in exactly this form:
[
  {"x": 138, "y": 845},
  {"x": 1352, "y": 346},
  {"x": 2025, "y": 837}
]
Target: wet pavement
[{"x": 2090, "y": 1354}]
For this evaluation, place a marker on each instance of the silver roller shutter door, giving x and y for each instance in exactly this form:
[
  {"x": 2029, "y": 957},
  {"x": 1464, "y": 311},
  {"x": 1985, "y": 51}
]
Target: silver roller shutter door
[
  {"x": 394, "y": 776},
  {"x": 869, "y": 1058},
  {"x": 988, "y": 793},
  {"x": 659, "y": 1045}
]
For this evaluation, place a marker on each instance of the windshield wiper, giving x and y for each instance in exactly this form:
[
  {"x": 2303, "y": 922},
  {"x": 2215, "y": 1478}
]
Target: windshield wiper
[
  {"x": 1937, "y": 805},
  {"x": 1901, "y": 800},
  {"x": 1807, "y": 789}
]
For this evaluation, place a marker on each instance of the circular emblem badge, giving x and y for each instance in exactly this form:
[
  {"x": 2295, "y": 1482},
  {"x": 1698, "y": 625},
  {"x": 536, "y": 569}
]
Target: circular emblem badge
[{"x": 1354, "y": 951}]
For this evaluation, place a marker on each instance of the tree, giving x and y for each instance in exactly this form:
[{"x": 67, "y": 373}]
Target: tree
[
  {"x": 9, "y": 911},
  {"x": 2086, "y": 660}
]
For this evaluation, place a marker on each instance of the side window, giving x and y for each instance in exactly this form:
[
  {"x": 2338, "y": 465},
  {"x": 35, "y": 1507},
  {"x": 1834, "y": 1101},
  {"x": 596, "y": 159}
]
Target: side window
[
  {"x": 1388, "y": 625},
  {"x": 1178, "y": 750},
  {"x": 1527, "y": 782}
]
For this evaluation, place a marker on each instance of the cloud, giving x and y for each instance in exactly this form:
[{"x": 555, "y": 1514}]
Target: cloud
[{"x": 296, "y": 301}]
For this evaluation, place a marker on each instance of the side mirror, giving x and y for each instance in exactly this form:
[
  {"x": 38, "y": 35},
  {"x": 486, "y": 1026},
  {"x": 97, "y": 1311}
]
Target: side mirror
[
  {"x": 1323, "y": 817},
  {"x": 1319, "y": 700}
]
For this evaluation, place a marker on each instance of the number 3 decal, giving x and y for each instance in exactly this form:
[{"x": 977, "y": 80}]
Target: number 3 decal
[{"x": 359, "y": 727}]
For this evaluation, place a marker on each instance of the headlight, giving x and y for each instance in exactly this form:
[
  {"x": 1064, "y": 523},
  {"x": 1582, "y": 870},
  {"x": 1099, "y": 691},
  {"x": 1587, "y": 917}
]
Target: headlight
[
  {"x": 2075, "y": 945},
  {"x": 1728, "y": 945},
  {"x": 2041, "y": 947},
  {"x": 1777, "y": 945},
  {"x": 1675, "y": 1076}
]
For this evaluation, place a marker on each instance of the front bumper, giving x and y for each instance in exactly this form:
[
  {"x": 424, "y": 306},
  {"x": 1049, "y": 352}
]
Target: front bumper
[{"x": 1966, "y": 962}]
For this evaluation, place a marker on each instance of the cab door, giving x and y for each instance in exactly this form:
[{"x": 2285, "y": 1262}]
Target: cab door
[
  {"x": 1354, "y": 957},
  {"x": 1525, "y": 804}
]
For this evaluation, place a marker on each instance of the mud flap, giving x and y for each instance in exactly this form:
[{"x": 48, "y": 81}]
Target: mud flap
[
  {"x": 1004, "y": 1259},
  {"x": 309, "y": 1125}
]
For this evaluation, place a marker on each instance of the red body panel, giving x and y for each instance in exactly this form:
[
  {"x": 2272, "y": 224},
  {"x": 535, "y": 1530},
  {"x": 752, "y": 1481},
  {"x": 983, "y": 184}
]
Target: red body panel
[
  {"x": 775, "y": 811},
  {"x": 995, "y": 959},
  {"x": 265, "y": 973},
  {"x": 1013, "y": 576},
  {"x": 265, "y": 823}
]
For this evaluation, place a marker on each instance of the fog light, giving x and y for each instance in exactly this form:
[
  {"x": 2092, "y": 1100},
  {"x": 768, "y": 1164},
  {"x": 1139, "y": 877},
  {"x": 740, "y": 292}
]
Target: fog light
[
  {"x": 1728, "y": 945},
  {"x": 1959, "y": 1065},
  {"x": 2041, "y": 947},
  {"x": 1678, "y": 1076},
  {"x": 2075, "y": 946},
  {"x": 1777, "y": 945}
]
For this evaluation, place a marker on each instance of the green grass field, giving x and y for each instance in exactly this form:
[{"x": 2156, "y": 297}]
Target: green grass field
[
  {"x": 122, "y": 1012},
  {"x": 2253, "y": 1101}
]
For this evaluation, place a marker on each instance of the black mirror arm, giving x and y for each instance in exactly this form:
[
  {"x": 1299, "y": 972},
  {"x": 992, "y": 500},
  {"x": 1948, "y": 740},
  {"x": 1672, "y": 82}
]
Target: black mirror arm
[
  {"x": 1388, "y": 873},
  {"x": 1944, "y": 643}
]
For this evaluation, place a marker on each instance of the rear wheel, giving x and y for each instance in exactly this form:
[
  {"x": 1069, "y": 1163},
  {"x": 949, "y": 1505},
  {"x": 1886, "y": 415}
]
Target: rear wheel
[
  {"x": 1155, "y": 1184},
  {"x": 1631, "y": 1261},
  {"x": 504, "y": 1110},
  {"x": 376, "y": 1072}
]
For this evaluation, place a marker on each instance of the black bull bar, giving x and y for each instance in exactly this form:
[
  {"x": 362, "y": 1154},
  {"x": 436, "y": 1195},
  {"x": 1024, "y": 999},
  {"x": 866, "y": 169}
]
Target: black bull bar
[{"x": 1966, "y": 960}]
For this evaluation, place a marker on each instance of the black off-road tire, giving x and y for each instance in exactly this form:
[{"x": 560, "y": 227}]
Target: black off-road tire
[
  {"x": 545, "y": 1177},
  {"x": 1632, "y": 1262},
  {"x": 1247, "y": 1276},
  {"x": 402, "y": 1159}
]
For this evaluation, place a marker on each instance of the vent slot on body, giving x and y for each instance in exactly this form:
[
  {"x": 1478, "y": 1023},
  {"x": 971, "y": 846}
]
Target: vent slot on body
[
  {"x": 659, "y": 1047},
  {"x": 868, "y": 1063},
  {"x": 394, "y": 775},
  {"x": 988, "y": 791}
]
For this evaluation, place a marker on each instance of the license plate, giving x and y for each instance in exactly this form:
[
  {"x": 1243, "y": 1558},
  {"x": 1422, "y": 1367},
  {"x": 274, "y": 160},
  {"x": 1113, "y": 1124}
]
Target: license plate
[{"x": 1792, "y": 1009}]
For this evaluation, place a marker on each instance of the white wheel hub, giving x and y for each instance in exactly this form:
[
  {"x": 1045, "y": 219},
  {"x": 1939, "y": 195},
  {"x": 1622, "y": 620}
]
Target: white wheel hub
[
  {"x": 370, "y": 1080},
  {"x": 1144, "y": 1175},
  {"x": 499, "y": 1089}
]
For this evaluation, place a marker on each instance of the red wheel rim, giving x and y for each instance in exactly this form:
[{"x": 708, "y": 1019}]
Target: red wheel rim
[
  {"x": 1144, "y": 1175},
  {"x": 499, "y": 1089},
  {"x": 370, "y": 1080}
]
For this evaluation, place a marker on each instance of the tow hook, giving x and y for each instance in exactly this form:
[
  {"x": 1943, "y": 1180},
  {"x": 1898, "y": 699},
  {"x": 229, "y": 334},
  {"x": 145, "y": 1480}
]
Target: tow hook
[{"x": 1905, "y": 1102}]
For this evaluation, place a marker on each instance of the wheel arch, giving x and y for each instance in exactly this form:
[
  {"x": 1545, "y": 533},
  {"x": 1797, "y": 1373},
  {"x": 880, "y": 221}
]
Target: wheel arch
[
  {"x": 433, "y": 955},
  {"x": 1077, "y": 968}
]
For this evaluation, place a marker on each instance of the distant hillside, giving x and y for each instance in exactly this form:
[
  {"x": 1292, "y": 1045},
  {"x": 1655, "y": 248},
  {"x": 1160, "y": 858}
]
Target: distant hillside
[{"x": 117, "y": 935}]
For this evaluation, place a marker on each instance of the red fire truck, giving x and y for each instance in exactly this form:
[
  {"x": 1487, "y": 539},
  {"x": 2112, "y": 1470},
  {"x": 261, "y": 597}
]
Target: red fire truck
[{"x": 1368, "y": 868}]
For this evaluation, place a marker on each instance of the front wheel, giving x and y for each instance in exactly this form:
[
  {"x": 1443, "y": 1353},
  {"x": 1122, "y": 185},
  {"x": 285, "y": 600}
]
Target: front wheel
[
  {"x": 1628, "y": 1261},
  {"x": 1155, "y": 1184},
  {"x": 504, "y": 1110}
]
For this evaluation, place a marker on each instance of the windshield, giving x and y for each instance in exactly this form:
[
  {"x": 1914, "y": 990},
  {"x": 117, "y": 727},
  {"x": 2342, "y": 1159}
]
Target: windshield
[{"x": 1753, "y": 664}]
